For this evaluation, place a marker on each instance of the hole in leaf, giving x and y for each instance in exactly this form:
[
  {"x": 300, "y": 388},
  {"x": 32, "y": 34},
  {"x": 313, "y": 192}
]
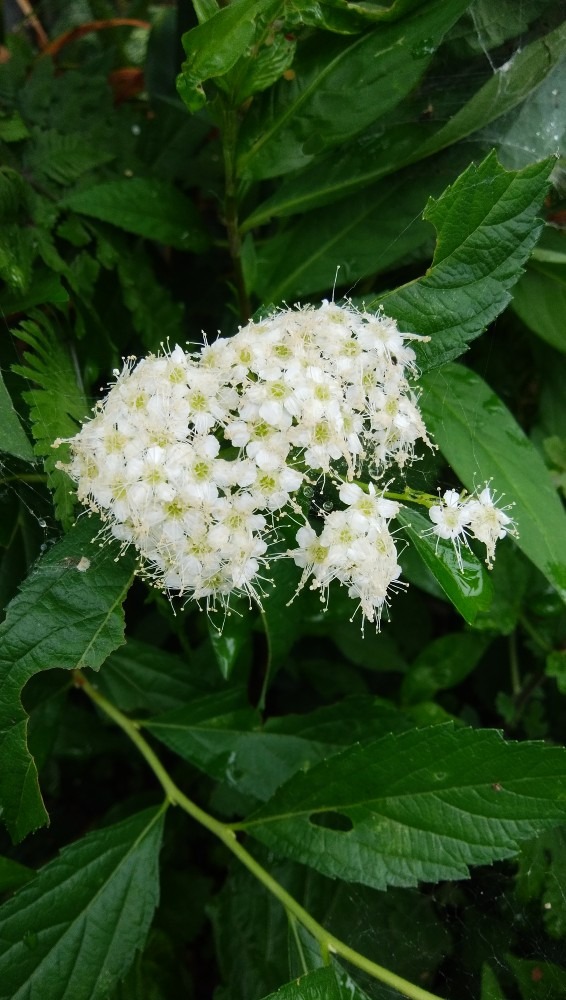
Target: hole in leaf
[{"x": 331, "y": 820}]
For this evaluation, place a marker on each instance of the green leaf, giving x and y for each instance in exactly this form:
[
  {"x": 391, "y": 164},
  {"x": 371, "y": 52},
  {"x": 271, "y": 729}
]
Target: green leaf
[
  {"x": 282, "y": 629},
  {"x": 443, "y": 664},
  {"x": 539, "y": 300},
  {"x": 17, "y": 253},
  {"x": 482, "y": 441},
  {"x": 13, "y": 438},
  {"x": 486, "y": 225},
  {"x": 214, "y": 47},
  {"x": 220, "y": 734},
  {"x": 340, "y": 86},
  {"x": 13, "y": 128},
  {"x": 541, "y": 877},
  {"x": 13, "y": 875},
  {"x": 56, "y": 407},
  {"x": 420, "y": 805},
  {"x": 230, "y": 635},
  {"x": 364, "y": 235},
  {"x": 64, "y": 158},
  {"x": 45, "y": 287},
  {"x": 68, "y": 614},
  {"x": 469, "y": 587},
  {"x": 210, "y": 733},
  {"x": 155, "y": 315},
  {"x": 318, "y": 985},
  {"x": 538, "y": 979},
  {"x": 149, "y": 208},
  {"x": 142, "y": 677},
  {"x": 362, "y": 162},
  {"x": 490, "y": 988},
  {"x": 75, "y": 930}
]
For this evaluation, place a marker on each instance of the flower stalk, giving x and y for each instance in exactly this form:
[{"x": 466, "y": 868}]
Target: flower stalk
[{"x": 328, "y": 943}]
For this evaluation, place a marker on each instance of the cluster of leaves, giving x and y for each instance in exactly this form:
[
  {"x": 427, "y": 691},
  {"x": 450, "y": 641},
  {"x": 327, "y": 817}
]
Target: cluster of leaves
[{"x": 364, "y": 772}]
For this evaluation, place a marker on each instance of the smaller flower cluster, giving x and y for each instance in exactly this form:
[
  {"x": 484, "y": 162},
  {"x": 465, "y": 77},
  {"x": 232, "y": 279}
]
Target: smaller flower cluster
[
  {"x": 459, "y": 517},
  {"x": 356, "y": 548}
]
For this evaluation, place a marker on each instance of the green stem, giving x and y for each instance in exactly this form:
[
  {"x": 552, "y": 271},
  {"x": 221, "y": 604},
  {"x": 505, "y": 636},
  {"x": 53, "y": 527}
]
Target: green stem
[
  {"x": 230, "y": 126},
  {"x": 329, "y": 944}
]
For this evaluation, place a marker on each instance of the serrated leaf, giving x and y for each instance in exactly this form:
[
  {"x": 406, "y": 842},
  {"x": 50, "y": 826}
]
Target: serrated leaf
[
  {"x": 64, "y": 158},
  {"x": 214, "y": 46},
  {"x": 155, "y": 315},
  {"x": 68, "y": 614},
  {"x": 362, "y": 162},
  {"x": 17, "y": 253},
  {"x": 467, "y": 586},
  {"x": 421, "y": 805},
  {"x": 56, "y": 407},
  {"x": 340, "y": 86},
  {"x": 45, "y": 287},
  {"x": 149, "y": 208},
  {"x": 486, "y": 225},
  {"x": 220, "y": 734},
  {"x": 75, "y": 930},
  {"x": 318, "y": 985},
  {"x": 482, "y": 441},
  {"x": 13, "y": 438}
]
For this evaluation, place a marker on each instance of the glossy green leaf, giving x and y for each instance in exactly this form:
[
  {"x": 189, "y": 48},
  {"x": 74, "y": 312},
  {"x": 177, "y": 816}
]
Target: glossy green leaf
[
  {"x": 215, "y": 46},
  {"x": 339, "y": 87},
  {"x": 539, "y": 300},
  {"x": 74, "y": 931},
  {"x": 443, "y": 664},
  {"x": 320, "y": 984},
  {"x": 13, "y": 438},
  {"x": 67, "y": 614},
  {"x": 482, "y": 441},
  {"x": 468, "y": 587},
  {"x": 421, "y": 805},
  {"x": 342, "y": 16},
  {"x": 13, "y": 875},
  {"x": 368, "y": 158},
  {"x": 487, "y": 225},
  {"x": 149, "y": 208}
]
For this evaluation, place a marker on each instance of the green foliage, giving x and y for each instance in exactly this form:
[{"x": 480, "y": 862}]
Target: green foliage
[
  {"x": 67, "y": 614},
  {"x": 482, "y": 441},
  {"x": 100, "y": 892},
  {"x": 56, "y": 406},
  {"x": 409, "y": 154},
  {"x": 406, "y": 808}
]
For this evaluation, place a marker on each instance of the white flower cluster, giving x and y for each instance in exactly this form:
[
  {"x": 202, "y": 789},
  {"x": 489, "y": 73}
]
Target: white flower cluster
[{"x": 192, "y": 458}]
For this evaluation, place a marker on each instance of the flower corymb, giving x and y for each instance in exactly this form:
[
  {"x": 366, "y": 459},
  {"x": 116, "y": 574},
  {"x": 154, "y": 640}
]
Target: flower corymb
[{"x": 198, "y": 459}]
